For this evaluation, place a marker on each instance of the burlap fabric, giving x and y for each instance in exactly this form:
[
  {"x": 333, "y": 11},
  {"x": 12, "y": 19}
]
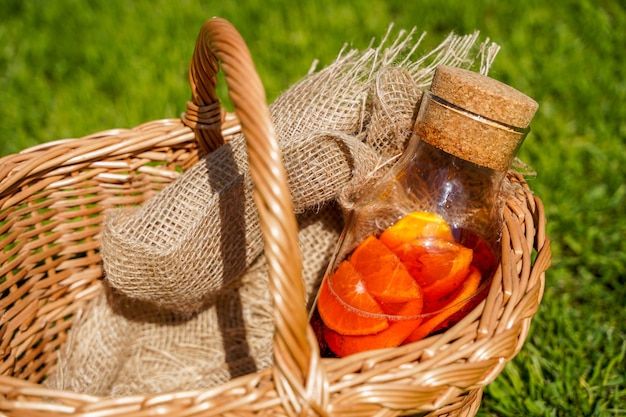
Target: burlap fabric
[{"x": 186, "y": 302}]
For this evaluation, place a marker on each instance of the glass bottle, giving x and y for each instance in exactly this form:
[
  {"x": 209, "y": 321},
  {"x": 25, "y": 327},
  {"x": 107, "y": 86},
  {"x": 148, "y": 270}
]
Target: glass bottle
[{"x": 438, "y": 215}]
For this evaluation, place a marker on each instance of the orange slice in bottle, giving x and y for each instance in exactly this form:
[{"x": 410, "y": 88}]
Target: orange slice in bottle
[
  {"x": 348, "y": 308},
  {"x": 437, "y": 265},
  {"x": 414, "y": 225},
  {"x": 394, "y": 335},
  {"x": 385, "y": 276},
  {"x": 448, "y": 306}
]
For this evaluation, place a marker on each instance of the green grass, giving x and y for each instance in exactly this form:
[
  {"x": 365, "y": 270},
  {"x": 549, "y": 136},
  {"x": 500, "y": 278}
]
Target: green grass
[{"x": 70, "y": 68}]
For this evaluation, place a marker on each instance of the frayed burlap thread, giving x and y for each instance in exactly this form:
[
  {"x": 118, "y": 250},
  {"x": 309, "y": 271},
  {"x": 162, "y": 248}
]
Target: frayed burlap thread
[{"x": 186, "y": 271}]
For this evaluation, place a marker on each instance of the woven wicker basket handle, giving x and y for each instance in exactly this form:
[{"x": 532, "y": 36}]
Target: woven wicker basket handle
[{"x": 294, "y": 341}]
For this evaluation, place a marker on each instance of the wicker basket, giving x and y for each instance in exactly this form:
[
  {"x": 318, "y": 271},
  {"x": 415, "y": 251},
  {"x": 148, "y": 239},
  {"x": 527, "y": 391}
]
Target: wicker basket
[{"x": 52, "y": 201}]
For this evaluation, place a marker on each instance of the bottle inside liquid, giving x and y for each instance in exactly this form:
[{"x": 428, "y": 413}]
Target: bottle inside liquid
[{"x": 418, "y": 251}]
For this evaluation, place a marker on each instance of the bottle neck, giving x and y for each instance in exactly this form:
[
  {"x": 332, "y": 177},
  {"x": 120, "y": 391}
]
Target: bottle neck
[{"x": 464, "y": 193}]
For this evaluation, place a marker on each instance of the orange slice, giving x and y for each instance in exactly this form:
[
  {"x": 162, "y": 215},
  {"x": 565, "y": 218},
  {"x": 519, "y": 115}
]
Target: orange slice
[
  {"x": 451, "y": 305},
  {"x": 449, "y": 283},
  {"x": 417, "y": 224},
  {"x": 385, "y": 276},
  {"x": 394, "y": 335},
  {"x": 468, "y": 306},
  {"x": 431, "y": 260},
  {"x": 348, "y": 286}
]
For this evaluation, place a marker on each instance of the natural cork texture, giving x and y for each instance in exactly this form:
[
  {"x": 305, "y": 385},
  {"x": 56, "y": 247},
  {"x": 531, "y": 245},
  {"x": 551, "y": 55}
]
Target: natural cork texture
[{"x": 492, "y": 143}]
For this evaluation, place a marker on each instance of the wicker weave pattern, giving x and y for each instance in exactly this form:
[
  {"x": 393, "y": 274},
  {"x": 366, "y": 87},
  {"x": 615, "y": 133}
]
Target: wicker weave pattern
[{"x": 52, "y": 201}]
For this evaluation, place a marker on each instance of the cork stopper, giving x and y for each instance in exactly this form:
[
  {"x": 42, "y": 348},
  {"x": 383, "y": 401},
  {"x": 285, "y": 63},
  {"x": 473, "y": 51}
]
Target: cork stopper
[{"x": 492, "y": 142}]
